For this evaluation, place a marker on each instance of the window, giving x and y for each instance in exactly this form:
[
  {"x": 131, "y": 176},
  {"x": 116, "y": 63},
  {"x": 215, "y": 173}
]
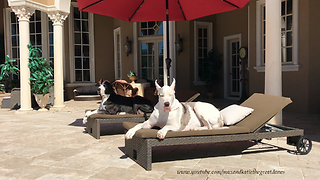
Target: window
[
  {"x": 203, "y": 44},
  {"x": 15, "y": 46},
  {"x": 51, "y": 45},
  {"x": 38, "y": 28},
  {"x": 151, "y": 50},
  {"x": 289, "y": 37},
  {"x": 81, "y": 45},
  {"x": 152, "y": 60},
  {"x": 117, "y": 53},
  {"x": 151, "y": 28}
]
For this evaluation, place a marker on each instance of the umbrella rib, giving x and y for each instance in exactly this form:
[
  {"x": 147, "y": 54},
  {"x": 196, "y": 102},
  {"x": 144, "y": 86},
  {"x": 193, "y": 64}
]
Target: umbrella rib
[
  {"x": 184, "y": 17},
  {"x": 136, "y": 10},
  {"x": 91, "y": 5},
  {"x": 231, "y": 4}
]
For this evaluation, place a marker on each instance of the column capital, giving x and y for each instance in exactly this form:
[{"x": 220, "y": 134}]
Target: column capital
[
  {"x": 23, "y": 13},
  {"x": 57, "y": 17}
]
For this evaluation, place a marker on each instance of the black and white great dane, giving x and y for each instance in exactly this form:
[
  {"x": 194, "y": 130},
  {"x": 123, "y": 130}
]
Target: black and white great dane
[
  {"x": 113, "y": 103},
  {"x": 171, "y": 115}
]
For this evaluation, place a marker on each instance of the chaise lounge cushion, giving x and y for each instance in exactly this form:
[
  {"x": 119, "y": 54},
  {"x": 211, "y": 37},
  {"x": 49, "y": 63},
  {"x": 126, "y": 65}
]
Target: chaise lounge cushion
[
  {"x": 152, "y": 133},
  {"x": 265, "y": 107},
  {"x": 109, "y": 116}
]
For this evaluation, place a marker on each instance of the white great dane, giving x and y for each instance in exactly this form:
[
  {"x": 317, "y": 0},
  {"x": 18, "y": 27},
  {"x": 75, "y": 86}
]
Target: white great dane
[{"x": 171, "y": 115}]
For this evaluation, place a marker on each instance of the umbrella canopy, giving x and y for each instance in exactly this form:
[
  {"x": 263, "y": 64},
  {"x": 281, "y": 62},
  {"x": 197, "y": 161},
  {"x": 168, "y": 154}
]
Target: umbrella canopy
[
  {"x": 155, "y": 10},
  {"x": 159, "y": 10}
]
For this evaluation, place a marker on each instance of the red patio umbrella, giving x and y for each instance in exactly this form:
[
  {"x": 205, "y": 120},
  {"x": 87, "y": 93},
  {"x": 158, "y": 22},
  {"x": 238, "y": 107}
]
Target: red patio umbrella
[{"x": 159, "y": 10}]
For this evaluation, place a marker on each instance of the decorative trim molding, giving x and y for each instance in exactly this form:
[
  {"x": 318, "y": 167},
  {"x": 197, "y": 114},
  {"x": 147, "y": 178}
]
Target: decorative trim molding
[
  {"x": 23, "y": 13},
  {"x": 285, "y": 68},
  {"x": 57, "y": 17},
  {"x": 62, "y": 5}
]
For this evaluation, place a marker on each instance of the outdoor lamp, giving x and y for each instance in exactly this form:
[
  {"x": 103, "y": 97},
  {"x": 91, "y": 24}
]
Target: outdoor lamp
[
  {"x": 179, "y": 44},
  {"x": 127, "y": 46}
]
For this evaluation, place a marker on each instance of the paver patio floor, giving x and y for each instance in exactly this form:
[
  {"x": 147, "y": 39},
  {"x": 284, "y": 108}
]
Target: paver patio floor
[{"x": 54, "y": 145}]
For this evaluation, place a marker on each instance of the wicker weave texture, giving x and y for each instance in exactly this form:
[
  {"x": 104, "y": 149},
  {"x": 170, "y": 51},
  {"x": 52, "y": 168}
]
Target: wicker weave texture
[{"x": 93, "y": 124}]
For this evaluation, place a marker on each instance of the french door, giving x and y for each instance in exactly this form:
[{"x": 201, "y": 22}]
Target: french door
[
  {"x": 234, "y": 68},
  {"x": 151, "y": 59}
]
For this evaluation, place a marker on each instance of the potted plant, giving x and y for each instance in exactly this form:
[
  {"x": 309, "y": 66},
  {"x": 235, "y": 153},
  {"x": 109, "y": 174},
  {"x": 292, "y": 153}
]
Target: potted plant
[
  {"x": 41, "y": 76},
  {"x": 132, "y": 76},
  {"x": 210, "y": 67},
  {"x": 6, "y": 70}
]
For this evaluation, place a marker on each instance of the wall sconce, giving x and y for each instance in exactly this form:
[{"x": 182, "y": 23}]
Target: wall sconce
[
  {"x": 179, "y": 45},
  {"x": 127, "y": 46}
]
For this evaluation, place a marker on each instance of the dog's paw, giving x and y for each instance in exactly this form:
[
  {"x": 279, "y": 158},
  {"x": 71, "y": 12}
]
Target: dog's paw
[
  {"x": 161, "y": 134},
  {"x": 85, "y": 120},
  {"x": 130, "y": 134}
]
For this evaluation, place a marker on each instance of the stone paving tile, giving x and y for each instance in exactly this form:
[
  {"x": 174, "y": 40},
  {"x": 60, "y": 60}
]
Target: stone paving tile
[
  {"x": 115, "y": 173},
  {"x": 30, "y": 172},
  {"x": 7, "y": 178},
  {"x": 310, "y": 174},
  {"x": 53, "y": 176},
  {"x": 179, "y": 173},
  {"x": 289, "y": 173},
  {"x": 15, "y": 162},
  {"x": 59, "y": 154},
  {"x": 146, "y": 174},
  {"x": 116, "y": 161}
]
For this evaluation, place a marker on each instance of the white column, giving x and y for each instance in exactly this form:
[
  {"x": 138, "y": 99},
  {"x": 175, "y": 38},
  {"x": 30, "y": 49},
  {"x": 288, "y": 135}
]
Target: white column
[
  {"x": 58, "y": 19},
  {"x": 273, "y": 77},
  {"x": 24, "y": 14}
]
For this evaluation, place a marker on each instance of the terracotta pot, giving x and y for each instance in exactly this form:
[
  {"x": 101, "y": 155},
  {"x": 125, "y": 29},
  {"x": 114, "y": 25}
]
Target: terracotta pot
[
  {"x": 132, "y": 78},
  {"x": 42, "y": 101}
]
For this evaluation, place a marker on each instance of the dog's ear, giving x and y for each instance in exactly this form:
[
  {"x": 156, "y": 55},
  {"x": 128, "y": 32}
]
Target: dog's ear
[
  {"x": 100, "y": 81},
  {"x": 157, "y": 85},
  {"x": 173, "y": 84}
]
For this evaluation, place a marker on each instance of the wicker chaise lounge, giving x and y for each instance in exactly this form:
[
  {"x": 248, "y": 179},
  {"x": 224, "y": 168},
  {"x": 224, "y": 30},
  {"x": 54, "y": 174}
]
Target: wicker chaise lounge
[{"x": 253, "y": 127}]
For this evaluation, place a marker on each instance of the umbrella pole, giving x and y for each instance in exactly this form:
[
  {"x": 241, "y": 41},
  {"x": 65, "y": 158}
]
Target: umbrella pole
[{"x": 168, "y": 60}]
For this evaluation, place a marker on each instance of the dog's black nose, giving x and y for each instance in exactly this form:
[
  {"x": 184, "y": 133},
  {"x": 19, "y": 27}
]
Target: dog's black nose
[{"x": 166, "y": 104}]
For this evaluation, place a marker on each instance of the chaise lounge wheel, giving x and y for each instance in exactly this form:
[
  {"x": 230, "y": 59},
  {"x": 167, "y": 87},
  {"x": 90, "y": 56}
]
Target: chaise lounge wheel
[{"x": 304, "y": 145}]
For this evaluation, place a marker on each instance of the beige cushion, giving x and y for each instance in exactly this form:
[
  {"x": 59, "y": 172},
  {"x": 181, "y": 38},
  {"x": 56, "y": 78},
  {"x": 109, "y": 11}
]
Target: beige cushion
[
  {"x": 265, "y": 107},
  {"x": 152, "y": 133},
  {"x": 109, "y": 116},
  {"x": 234, "y": 113}
]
